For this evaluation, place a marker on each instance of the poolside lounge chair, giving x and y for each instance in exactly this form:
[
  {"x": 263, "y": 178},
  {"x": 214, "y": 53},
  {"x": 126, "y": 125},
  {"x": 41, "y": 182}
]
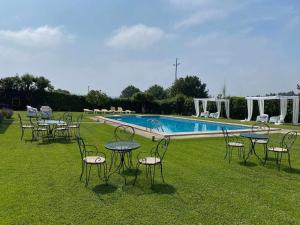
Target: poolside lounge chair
[
  {"x": 120, "y": 110},
  {"x": 112, "y": 109},
  {"x": 31, "y": 112},
  {"x": 104, "y": 111},
  {"x": 277, "y": 120},
  {"x": 96, "y": 111},
  {"x": 284, "y": 147},
  {"x": 215, "y": 115},
  {"x": 204, "y": 114},
  {"x": 87, "y": 111},
  {"x": 262, "y": 118},
  {"x": 153, "y": 159},
  {"x": 129, "y": 111}
]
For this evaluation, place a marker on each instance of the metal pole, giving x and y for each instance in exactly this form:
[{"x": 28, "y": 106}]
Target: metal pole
[{"x": 176, "y": 65}]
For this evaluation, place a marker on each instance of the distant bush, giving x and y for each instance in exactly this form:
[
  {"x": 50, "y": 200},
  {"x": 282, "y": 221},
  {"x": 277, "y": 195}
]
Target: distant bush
[
  {"x": 7, "y": 113},
  {"x": 1, "y": 117}
]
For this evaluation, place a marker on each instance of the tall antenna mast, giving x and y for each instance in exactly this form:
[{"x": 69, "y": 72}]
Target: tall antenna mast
[{"x": 176, "y": 65}]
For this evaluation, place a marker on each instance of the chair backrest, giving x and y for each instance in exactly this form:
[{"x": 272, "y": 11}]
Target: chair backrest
[
  {"x": 20, "y": 120},
  {"x": 162, "y": 147},
  {"x": 124, "y": 133},
  {"x": 225, "y": 134},
  {"x": 112, "y": 108},
  {"x": 288, "y": 140},
  {"x": 81, "y": 146},
  {"x": 79, "y": 118},
  {"x": 261, "y": 127},
  {"x": 67, "y": 117},
  {"x": 120, "y": 109}
]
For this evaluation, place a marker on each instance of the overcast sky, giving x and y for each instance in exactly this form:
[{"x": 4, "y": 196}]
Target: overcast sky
[{"x": 251, "y": 45}]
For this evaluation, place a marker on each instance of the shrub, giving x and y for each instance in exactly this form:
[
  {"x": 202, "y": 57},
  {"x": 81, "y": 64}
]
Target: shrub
[
  {"x": 1, "y": 117},
  {"x": 7, "y": 113}
]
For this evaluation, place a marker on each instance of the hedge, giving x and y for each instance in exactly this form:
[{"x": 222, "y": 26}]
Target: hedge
[{"x": 179, "y": 104}]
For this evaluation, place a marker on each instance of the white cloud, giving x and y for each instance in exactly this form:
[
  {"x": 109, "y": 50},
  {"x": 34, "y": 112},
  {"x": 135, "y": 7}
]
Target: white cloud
[
  {"x": 190, "y": 4},
  {"x": 44, "y": 36},
  {"x": 202, "y": 17},
  {"x": 138, "y": 36}
]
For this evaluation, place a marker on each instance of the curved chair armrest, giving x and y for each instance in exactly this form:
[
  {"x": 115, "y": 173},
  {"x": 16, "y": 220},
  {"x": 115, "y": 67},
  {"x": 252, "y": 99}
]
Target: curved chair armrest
[
  {"x": 95, "y": 149},
  {"x": 140, "y": 153},
  {"x": 102, "y": 154},
  {"x": 238, "y": 139}
]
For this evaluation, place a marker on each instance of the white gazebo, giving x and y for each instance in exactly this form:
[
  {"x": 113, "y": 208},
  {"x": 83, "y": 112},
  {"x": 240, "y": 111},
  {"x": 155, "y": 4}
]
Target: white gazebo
[
  {"x": 216, "y": 100},
  {"x": 283, "y": 106}
]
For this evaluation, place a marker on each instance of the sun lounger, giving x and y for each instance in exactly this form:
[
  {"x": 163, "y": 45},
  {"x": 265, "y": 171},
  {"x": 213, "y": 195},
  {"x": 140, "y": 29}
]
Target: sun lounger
[
  {"x": 96, "y": 111},
  {"x": 87, "y": 111}
]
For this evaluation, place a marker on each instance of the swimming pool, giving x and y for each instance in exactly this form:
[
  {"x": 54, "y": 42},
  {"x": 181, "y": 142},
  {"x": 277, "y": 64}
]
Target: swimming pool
[{"x": 175, "y": 125}]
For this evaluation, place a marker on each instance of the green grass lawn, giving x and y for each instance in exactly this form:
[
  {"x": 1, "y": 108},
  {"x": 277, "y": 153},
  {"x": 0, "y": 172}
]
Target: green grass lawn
[{"x": 39, "y": 184}]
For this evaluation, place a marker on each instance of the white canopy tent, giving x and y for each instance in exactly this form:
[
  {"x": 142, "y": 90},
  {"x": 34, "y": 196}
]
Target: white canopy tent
[
  {"x": 283, "y": 106},
  {"x": 204, "y": 105}
]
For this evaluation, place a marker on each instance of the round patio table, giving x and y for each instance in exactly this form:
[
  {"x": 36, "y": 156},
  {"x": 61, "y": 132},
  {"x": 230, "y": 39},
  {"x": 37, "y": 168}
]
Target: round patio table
[
  {"x": 251, "y": 137},
  {"x": 121, "y": 148},
  {"x": 51, "y": 124}
]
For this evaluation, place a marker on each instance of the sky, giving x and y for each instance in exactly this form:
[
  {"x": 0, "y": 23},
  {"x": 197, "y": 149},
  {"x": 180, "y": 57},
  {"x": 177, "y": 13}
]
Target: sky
[{"x": 251, "y": 46}]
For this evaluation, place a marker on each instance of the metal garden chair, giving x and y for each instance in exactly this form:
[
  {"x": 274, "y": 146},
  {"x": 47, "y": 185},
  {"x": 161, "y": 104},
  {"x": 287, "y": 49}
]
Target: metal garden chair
[
  {"x": 153, "y": 159},
  {"x": 123, "y": 133},
  {"x": 261, "y": 128},
  {"x": 284, "y": 147},
  {"x": 26, "y": 126},
  {"x": 74, "y": 127},
  {"x": 233, "y": 142},
  {"x": 90, "y": 156}
]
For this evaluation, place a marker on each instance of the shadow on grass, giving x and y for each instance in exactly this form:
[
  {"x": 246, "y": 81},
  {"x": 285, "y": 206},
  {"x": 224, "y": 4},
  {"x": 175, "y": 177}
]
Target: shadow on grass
[
  {"x": 4, "y": 125},
  {"x": 45, "y": 141},
  {"x": 291, "y": 171},
  {"x": 163, "y": 189},
  {"x": 248, "y": 164},
  {"x": 103, "y": 189},
  {"x": 131, "y": 172}
]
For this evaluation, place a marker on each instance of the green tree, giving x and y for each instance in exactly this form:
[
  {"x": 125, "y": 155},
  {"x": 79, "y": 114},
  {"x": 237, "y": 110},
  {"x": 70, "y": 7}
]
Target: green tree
[
  {"x": 10, "y": 83},
  {"x": 97, "y": 98},
  {"x": 43, "y": 84},
  {"x": 142, "y": 99},
  {"x": 157, "y": 92},
  {"x": 129, "y": 91},
  {"x": 28, "y": 82},
  {"x": 190, "y": 86}
]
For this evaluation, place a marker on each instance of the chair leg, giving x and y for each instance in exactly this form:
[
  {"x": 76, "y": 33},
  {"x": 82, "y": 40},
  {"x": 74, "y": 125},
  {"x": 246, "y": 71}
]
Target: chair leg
[
  {"x": 279, "y": 161},
  {"x": 136, "y": 172},
  {"x": 153, "y": 175},
  {"x": 82, "y": 170},
  {"x": 266, "y": 156},
  {"x": 289, "y": 160},
  {"x": 86, "y": 174},
  {"x": 226, "y": 152},
  {"x": 22, "y": 134},
  {"x": 161, "y": 173}
]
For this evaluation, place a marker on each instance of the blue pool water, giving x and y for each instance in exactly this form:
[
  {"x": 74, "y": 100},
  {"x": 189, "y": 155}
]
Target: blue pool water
[{"x": 174, "y": 125}]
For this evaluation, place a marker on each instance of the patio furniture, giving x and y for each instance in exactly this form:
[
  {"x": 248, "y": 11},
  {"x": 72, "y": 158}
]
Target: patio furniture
[
  {"x": 284, "y": 147},
  {"x": 87, "y": 111},
  {"x": 205, "y": 114},
  {"x": 253, "y": 136},
  {"x": 233, "y": 142},
  {"x": 104, "y": 111},
  {"x": 262, "y": 118},
  {"x": 91, "y": 156},
  {"x": 215, "y": 115},
  {"x": 31, "y": 112},
  {"x": 121, "y": 149},
  {"x": 120, "y": 110},
  {"x": 96, "y": 111},
  {"x": 42, "y": 130},
  {"x": 61, "y": 130},
  {"x": 153, "y": 159},
  {"x": 26, "y": 126},
  {"x": 261, "y": 128},
  {"x": 129, "y": 111},
  {"x": 112, "y": 109},
  {"x": 74, "y": 127},
  {"x": 46, "y": 112}
]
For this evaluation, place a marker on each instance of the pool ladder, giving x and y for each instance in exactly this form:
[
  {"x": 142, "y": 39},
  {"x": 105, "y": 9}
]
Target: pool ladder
[{"x": 153, "y": 124}]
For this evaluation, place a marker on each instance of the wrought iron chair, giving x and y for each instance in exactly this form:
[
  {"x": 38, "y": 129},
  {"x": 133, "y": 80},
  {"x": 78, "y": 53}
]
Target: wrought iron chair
[
  {"x": 155, "y": 158},
  {"x": 62, "y": 129},
  {"x": 284, "y": 147},
  {"x": 74, "y": 127},
  {"x": 42, "y": 130},
  {"x": 90, "y": 156},
  {"x": 261, "y": 128},
  {"x": 233, "y": 142},
  {"x": 124, "y": 133},
  {"x": 26, "y": 126}
]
